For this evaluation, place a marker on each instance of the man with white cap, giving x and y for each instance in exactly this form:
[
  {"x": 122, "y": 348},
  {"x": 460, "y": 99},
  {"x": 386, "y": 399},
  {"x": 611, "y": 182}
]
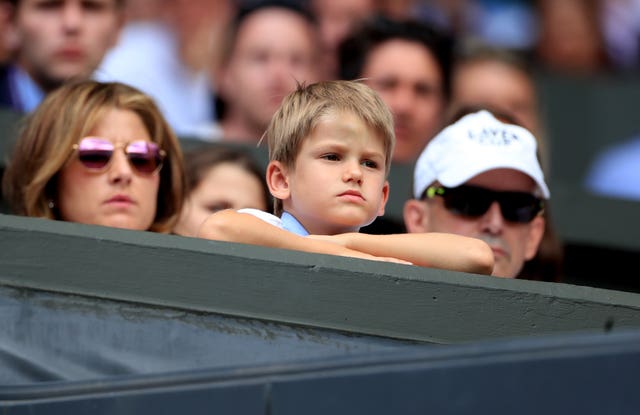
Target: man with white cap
[{"x": 480, "y": 177}]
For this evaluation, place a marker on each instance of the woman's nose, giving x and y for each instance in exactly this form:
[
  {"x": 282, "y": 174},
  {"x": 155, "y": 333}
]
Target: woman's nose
[{"x": 120, "y": 169}]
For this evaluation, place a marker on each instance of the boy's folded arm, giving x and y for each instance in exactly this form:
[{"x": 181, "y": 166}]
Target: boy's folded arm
[
  {"x": 436, "y": 250},
  {"x": 231, "y": 226}
]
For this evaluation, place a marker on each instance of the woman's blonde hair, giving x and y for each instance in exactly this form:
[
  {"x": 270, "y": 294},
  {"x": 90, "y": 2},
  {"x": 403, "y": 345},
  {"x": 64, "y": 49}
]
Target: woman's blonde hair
[
  {"x": 301, "y": 111},
  {"x": 62, "y": 119}
]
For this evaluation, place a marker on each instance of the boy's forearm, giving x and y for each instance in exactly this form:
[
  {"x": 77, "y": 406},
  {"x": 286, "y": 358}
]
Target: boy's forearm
[
  {"x": 436, "y": 250},
  {"x": 231, "y": 226},
  {"x": 427, "y": 249}
]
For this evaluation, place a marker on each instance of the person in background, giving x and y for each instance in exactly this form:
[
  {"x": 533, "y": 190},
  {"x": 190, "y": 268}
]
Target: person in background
[
  {"x": 336, "y": 19},
  {"x": 170, "y": 57},
  {"x": 408, "y": 64},
  {"x": 5, "y": 37},
  {"x": 615, "y": 171},
  {"x": 495, "y": 78},
  {"x": 330, "y": 147},
  {"x": 99, "y": 154},
  {"x": 272, "y": 45},
  {"x": 620, "y": 22},
  {"x": 56, "y": 41},
  {"x": 571, "y": 38},
  {"x": 480, "y": 177},
  {"x": 220, "y": 178}
]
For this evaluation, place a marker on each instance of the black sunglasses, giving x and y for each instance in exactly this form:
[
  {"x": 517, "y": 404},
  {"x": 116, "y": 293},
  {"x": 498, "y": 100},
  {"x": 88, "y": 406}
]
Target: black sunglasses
[
  {"x": 96, "y": 153},
  {"x": 474, "y": 201}
]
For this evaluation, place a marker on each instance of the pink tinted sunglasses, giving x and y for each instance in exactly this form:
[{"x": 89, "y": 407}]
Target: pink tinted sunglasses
[{"x": 96, "y": 153}]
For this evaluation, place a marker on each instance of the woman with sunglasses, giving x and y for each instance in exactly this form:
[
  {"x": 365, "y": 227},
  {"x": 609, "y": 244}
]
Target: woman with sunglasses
[{"x": 100, "y": 154}]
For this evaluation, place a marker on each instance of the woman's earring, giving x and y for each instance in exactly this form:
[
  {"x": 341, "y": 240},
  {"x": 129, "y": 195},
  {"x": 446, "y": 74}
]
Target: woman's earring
[{"x": 51, "y": 204}]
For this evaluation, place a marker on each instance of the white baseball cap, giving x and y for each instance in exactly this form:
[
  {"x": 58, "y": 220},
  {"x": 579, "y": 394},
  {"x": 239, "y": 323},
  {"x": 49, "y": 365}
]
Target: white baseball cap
[{"x": 475, "y": 144}]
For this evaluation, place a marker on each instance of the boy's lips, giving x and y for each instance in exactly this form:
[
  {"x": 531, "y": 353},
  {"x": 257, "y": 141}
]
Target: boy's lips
[{"x": 352, "y": 195}]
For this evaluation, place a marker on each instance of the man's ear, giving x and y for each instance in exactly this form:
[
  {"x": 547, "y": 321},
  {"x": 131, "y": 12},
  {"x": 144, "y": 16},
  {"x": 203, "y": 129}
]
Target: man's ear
[
  {"x": 278, "y": 180},
  {"x": 416, "y": 216},
  {"x": 385, "y": 198},
  {"x": 536, "y": 232}
]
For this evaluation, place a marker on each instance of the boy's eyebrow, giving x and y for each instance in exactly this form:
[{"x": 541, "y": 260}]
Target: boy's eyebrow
[
  {"x": 330, "y": 144},
  {"x": 374, "y": 154}
]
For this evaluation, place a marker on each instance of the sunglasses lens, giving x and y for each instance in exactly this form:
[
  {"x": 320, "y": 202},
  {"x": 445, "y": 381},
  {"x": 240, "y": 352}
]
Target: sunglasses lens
[
  {"x": 519, "y": 207},
  {"x": 467, "y": 201},
  {"x": 470, "y": 201},
  {"x": 144, "y": 156},
  {"x": 94, "y": 153}
]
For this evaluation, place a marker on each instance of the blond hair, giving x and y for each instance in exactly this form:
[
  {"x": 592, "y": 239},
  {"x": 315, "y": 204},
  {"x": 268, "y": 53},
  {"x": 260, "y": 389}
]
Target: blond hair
[
  {"x": 301, "y": 111},
  {"x": 62, "y": 119}
]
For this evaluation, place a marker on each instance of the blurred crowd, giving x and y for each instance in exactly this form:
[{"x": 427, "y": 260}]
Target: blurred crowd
[{"x": 197, "y": 61}]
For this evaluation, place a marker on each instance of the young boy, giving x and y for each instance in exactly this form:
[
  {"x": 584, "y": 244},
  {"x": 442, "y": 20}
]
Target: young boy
[{"x": 330, "y": 147}]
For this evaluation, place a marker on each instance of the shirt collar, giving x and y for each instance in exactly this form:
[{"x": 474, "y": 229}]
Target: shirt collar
[{"x": 291, "y": 224}]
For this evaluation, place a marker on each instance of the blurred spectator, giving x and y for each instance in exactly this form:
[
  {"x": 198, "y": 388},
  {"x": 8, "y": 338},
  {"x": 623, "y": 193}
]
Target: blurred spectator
[
  {"x": 56, "y": 41},
  {"x": 621, "y": 27},
  {"x": 510, "y": 24},
  {"x": 501, "y": 23},
  {"x": 497, "y": 79},
  {"x": 616, "y": 171},
  {"x": 98, "y": 154},
  {"x": 398, "y": 9},
  {"x": 137, "y": 10},
  {"x": 220, "y": 178},
  {"x": 273, "y": 45},
  {"x": 571, "y": 37},
  {"x": 408, "y": 64},
  {"x": 336, "y": 19},
  {"x": 5, "y": 31},
  {"x": 170, "y": 58}
]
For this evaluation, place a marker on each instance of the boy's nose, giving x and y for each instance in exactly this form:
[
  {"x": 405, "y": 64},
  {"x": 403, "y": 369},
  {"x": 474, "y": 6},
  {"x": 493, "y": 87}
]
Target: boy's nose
[{"x": 353, "y": 172}]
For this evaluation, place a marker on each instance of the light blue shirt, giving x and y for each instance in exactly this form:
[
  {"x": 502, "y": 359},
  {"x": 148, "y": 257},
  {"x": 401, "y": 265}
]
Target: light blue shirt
[
  {"x": 291, "y": 224},
  {"x": 287, "y": 221},
  {"x": 27, "y": 93}
]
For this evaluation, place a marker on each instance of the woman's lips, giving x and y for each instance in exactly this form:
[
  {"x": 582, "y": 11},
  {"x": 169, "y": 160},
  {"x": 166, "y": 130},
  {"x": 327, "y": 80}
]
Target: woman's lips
[{"x": 120, "y": 200}]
